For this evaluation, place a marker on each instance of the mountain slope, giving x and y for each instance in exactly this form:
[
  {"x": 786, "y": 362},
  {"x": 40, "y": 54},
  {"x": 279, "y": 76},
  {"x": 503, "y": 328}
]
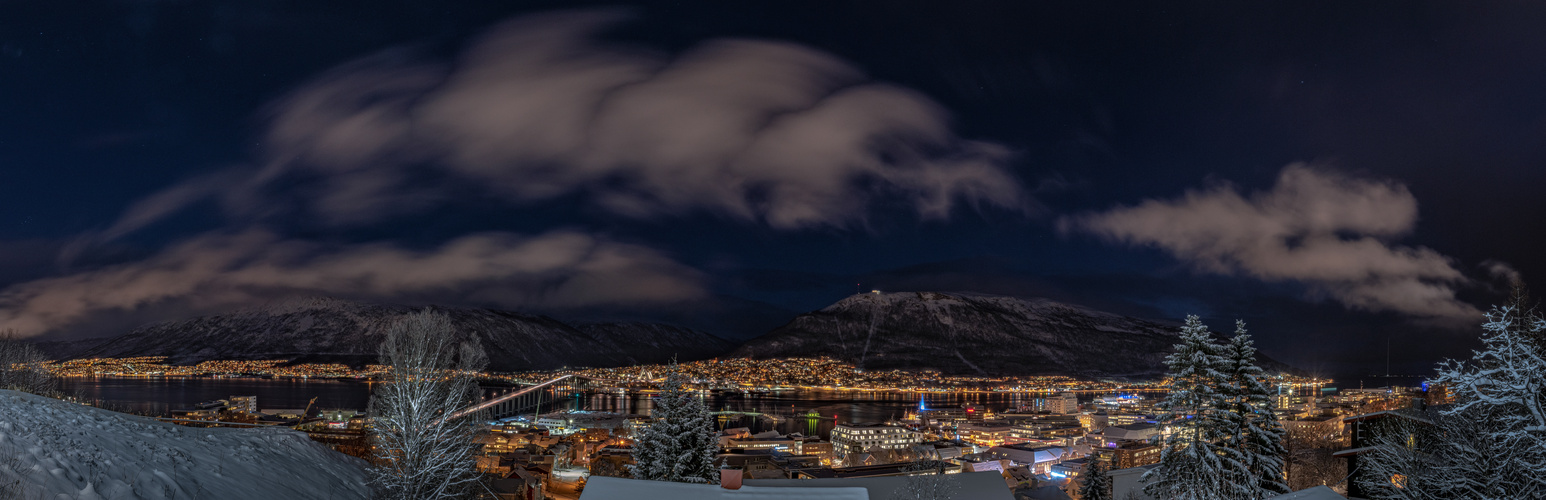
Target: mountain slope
[
  {"x": 974, "y": 333},
  {"x": 328, "y": 330},
  {"x": 55, "y": 449},
  {"x": 67, "y": 349}
]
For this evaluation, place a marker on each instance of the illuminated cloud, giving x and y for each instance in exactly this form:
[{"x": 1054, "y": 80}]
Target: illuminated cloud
[
  {"x": 539, "y": 108},
  {"x": 1328, "y": 230},
  {"x": 215, "y": 272},
  {"x": 536, "y": 109}
]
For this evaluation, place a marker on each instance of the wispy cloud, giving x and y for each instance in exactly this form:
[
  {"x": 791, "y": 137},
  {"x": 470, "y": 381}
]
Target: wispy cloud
[
  {"x": 209, "y": 273},
  {"x": 1331, "y": 231},
  {"x": 539, "y": 107}
]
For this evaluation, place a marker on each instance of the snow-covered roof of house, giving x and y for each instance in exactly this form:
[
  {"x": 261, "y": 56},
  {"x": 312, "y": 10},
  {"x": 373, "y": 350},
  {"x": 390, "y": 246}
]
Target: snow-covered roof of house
[
  {"x": 1391, "y": 413},
  {"x": 614, "y": 488},
  {"x": 1022, "y": 455},
  {"x": 973, "y": 485},
  {"x": 932, "y": 450},
  {"x": 1135, "y": 432},
  {"x": 1131, "y": 470},
  {"x": 1048, "y": 492},
  {"x": 1316, "y": 493},
  {"x": 1351, "y": 451},
  {"x": 1019, "y": 473}
]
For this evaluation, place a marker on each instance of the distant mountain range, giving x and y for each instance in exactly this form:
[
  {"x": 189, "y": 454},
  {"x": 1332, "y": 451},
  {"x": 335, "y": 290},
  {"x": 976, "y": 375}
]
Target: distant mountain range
[
  {"x": 951, "y": 332},
  {"x": 330, "y": 330},
  {"x": 974, "y": 333}
]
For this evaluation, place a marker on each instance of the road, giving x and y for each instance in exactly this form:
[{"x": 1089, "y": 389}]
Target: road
[{"x": 560, "y": 490}]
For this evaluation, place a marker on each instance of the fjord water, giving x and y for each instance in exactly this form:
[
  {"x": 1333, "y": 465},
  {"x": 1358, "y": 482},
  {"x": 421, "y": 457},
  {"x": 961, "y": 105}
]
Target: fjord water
[{"x": 157, "y": 396}]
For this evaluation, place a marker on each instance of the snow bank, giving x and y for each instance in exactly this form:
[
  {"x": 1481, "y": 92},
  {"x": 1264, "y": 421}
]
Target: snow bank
[{"x": 68, "y": 451}]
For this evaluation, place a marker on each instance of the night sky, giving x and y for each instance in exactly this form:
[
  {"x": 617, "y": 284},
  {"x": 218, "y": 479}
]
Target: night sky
[{"x": 1338, "y": 175}]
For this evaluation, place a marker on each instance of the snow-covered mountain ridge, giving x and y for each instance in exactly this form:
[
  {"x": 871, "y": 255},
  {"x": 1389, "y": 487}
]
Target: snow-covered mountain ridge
[
  {"x": 331, "y": 330},
  {"x": 976, "y": 333},
  {"x": 952, "y": 332},
  {"x": 59, "y": 450}
]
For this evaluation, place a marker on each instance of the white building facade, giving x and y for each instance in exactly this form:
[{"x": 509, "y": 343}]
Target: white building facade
[{"x": 858, "y": 438}]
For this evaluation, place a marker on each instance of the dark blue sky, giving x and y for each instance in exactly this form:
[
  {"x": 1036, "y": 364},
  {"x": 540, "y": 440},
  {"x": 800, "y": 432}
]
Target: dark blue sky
[{"x": 139, "y": 137}]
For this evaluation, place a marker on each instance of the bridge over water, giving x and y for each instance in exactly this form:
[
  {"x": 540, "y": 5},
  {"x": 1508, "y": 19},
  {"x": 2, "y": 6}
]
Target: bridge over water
[
  {"x": 776, "y": 417},
  {"x": 532, "y": 397},
  {"x": 548, "y": 394}
]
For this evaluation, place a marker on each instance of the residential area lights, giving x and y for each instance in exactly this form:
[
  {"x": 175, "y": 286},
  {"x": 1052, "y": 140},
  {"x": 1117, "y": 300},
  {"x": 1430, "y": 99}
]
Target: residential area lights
[
  {"x": 824, "y": 373},
  {"x": 740, "y": 374},
  {"x": 156, "y": 366}
]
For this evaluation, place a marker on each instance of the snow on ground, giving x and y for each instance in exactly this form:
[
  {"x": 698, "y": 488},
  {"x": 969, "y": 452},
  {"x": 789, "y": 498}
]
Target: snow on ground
[{"x": 69, "y": 451}]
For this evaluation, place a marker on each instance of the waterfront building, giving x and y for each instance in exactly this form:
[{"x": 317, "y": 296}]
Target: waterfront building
[
  {"x": 1120, "y": 400},
  {"x": 783, "y": 444},
  {"x": 243, "y": 404},
  {"x": 860, "y": 438},
  {"x": 1062, "y": 404},
  {"x": 1135, "y": 454},
  {"x": 733, "y": 433},
  {"x": 1024, "y": 432},
  {"x": 1043, "y": 420},
  {"x": 947, "y": 415},
  {"x": 209, "y": 410},
  {"x": 1116, "y": 435},
  {"x": 987, "y": 434},
  {"x": 1130, "y": 419},
  {"x": 1094, "y": 422},
  {"x": 819, "y": 449}
]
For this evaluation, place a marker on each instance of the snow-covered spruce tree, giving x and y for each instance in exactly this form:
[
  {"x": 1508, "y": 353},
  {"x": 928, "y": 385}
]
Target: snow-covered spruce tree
[
  {"x": 1191, "y": 466},
  {"x": 1254, "y": 429},
  {"x": 1504, "y": 388},
  {"x": 1491, "y": 443},
  {"x": 680, "y": 443},
  {"x": 1094, "y": 483},
  {"x": 424, "y": 451}
]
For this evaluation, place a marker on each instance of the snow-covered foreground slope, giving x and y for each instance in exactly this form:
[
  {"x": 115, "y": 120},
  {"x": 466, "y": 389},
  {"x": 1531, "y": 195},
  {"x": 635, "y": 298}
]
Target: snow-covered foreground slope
[{"x": 69, "y": 451}]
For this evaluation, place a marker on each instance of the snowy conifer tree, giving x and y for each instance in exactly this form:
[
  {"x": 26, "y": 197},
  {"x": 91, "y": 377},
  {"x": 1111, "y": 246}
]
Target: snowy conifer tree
[
  {"x": 1504, "y": 387},
  {"x": 1094, "y": 483},
  {"x": 680, "y": 444},
  {"x": 1491, "y": 443},
  {"x": 1191, "y": 466},
  {"x": 422, "y": 452},
  {"x": 1254, "y": 429}
]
